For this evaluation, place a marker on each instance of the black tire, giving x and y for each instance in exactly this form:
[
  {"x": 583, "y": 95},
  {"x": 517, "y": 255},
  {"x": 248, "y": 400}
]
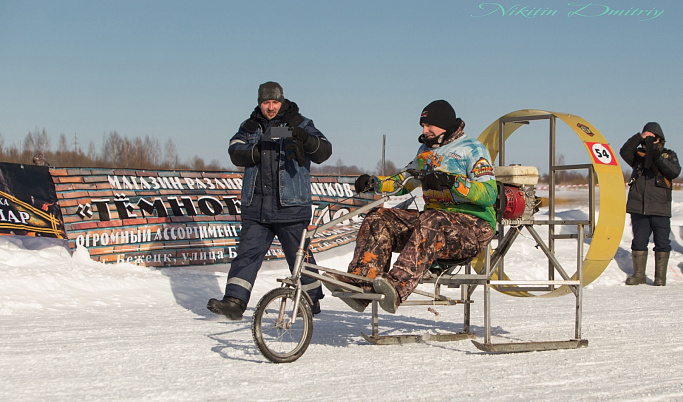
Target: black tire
[{"x": 278, "y": 342}]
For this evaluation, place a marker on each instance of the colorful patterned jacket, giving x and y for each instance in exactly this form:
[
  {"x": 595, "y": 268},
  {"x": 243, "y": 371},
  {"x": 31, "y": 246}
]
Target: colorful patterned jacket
[{"x": 474, "y": 191}]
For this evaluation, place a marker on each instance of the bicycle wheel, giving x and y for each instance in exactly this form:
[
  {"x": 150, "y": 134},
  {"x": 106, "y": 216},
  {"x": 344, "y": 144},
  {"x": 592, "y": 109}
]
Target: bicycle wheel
[{"x": 276, "y": 337}]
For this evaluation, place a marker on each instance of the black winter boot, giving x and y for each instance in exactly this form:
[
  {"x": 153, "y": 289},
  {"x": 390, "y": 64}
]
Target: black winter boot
[
  {"x": 315, "y": 308},
  {"x": 639, "y": 261},
  {"x": 231, "y": 307},
  {"x": 661, "y": 265}
]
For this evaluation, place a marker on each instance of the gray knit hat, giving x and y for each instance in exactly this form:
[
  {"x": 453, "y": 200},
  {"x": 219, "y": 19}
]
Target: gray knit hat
[{"x": 270, "y": 91}]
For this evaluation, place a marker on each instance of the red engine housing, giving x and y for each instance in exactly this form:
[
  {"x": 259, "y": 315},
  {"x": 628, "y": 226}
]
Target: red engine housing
[{"x": 515, "y": 202}]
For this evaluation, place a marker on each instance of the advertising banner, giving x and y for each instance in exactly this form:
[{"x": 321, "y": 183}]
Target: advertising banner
[
  {"x": 175, "y": 218},
  {"x": 28, "y": 203}
]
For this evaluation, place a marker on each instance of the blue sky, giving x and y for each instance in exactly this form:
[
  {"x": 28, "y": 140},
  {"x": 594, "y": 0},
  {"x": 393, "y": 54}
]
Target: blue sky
[{"x": 189, "y": 71}]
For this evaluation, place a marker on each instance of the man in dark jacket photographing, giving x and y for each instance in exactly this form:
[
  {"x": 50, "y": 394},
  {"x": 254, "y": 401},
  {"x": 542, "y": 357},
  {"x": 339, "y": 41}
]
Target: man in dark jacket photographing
[
  {"x": 649, "y": 199},
  {"x": 276, "y": 146}
]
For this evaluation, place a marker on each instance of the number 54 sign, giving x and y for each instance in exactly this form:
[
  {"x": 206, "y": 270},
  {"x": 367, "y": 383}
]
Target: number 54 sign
[{"x": 602, "y": 153}]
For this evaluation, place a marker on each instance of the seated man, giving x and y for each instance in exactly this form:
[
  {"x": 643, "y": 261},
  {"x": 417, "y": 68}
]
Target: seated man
[{"x": 458, "y": 221}]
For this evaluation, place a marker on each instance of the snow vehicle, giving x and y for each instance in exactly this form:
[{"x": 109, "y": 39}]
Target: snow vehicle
[{"x": 282, "y": 324}]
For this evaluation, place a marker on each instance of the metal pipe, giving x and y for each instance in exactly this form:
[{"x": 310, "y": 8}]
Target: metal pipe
[{"x": 579, "y": 274}]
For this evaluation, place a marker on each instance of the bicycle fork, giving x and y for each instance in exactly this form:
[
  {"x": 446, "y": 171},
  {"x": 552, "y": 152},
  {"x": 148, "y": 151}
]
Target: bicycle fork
[{"x": 296, "y": 282}]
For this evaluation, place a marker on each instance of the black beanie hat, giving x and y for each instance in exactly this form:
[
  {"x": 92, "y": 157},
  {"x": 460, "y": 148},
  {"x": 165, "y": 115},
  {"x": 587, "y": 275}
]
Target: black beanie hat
[
  {"x": 270, "y": 91},
  {"x": 655, "y": 129},
  {"x": 439, "y": 113}
]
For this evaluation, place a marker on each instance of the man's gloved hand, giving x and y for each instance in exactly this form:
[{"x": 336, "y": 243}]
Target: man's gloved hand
[
  {"x": 246, "y": 158},
  {"x": 653, "y": 150},
  {"x": 299, "y": 137},
  {"x": 365, "y": 183},
  {"x": 300, "y": 134},
  {"x": 256, "y": 154},
  {"x": 438, "y": 181}
]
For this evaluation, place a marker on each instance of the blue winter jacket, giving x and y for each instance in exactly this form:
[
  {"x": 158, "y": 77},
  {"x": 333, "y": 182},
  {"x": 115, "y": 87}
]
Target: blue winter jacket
[{"x": 276, "y": 189}]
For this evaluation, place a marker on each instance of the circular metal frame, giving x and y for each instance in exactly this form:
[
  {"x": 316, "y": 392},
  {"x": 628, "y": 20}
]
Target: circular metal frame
[{"x": 612, "y": 207}]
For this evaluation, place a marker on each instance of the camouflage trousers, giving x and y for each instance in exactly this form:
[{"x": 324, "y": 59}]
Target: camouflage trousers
[{"x": 420, "y": 238}]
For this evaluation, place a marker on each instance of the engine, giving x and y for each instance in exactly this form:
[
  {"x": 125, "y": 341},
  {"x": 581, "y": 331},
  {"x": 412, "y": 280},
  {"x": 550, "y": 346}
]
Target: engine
[{"x": 516, "y": 192}]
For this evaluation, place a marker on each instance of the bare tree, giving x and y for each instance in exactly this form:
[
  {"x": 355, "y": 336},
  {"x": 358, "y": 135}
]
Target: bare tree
[
  {"x": 338, "y": 169},
  {"x": 63, "y": 145},
  {"x": 92, "y": 151},
  {"x": 389, "y": 168},
  {"x": 171, "y": 156},
  {"x": 112, "y": 148},
  {"x": 198, "y": 163},
  {"x": 153, "y": 150},
  {"x": 139, "y": 157},
  {"x": 215, "y": 166},
  {"x": 36, "y": 142},
  {"x": 12, "y": 154},
  {"x": 29, "y": 145},
  {"x": 560, "y": 175},
  {"x": 43, "y": 142}
]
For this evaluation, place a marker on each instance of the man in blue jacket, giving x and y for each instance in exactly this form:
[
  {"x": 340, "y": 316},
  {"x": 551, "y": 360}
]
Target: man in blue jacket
[{"x": 276, "y": 193}]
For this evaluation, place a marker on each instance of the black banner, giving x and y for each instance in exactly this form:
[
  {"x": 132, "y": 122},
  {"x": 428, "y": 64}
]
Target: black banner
[{"x": 28, "y": 202}]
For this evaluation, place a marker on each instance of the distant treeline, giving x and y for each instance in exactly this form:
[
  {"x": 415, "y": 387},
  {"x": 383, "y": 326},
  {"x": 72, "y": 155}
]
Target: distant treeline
[
  {"x": 116, "y": 151},
  {"x": 149, "y": 153},
  {"x": 119, "y": 151}
]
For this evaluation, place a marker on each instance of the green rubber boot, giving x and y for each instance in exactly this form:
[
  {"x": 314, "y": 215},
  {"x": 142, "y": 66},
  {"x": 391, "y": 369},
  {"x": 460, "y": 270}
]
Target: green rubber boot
[
  {"x": 639, "y": 262},
  {"x": 661, "y": 265}
]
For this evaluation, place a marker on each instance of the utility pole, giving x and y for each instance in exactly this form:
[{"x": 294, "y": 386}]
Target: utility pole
[{"x": 384, "y": 145}]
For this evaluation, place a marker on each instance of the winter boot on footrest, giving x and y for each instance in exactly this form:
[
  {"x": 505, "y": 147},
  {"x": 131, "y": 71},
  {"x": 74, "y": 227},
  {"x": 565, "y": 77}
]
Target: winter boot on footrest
[{"x": 391, "y": 299}]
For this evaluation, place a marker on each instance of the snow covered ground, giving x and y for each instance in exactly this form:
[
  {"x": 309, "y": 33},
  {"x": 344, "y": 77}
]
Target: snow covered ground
[{"x": 73, "y": 329}]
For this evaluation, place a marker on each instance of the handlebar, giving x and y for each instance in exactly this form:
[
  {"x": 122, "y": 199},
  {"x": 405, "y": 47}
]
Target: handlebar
[{"x": 408, "y": 174}]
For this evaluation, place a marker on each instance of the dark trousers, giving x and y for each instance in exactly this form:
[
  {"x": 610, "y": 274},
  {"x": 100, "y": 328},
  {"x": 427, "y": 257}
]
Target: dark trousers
[
  {"x": 254, "y": 242},
  {"x": 657, "y": 226}
]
